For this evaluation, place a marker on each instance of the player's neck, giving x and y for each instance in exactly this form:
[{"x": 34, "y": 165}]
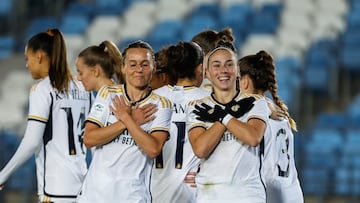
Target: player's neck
[
  {"x": 136, "y": 94},
  {"x": 185, "y": 82}
]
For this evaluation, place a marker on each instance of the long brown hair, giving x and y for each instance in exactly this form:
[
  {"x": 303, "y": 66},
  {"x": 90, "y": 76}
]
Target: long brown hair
[
  {"x": 261, "y": 69},
  {"x": 53, "y": 44},
  {"x": 108, "y": 56}
]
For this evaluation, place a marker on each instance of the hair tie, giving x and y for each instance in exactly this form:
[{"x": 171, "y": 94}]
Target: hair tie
[
  {"x": 50, "y": 32},
  {"x": 102, "y": 46}
]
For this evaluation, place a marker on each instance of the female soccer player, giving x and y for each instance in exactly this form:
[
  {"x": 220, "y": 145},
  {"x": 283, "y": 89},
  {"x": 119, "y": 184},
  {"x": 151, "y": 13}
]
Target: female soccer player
[
  {"x": 58, "y": 106},
  {"x": 99, "y": 66},
  {"x": 177, "y": 158},
  {"x": 225, "y": 130},
  {"x": 121, "y": 166},
  {"x": 282, "y": 185}
]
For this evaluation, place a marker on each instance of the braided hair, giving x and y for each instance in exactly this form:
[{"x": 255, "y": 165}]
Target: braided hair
[{"x": 261, "y": 70}]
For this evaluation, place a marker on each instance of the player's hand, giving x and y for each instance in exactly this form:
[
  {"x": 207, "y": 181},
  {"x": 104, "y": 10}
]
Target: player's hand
[
  {"x": 143, "y": 114},
  {"x": 207, "y": 114},
  {"x": 190, "y": 179},
  {"x": 276, "y": 112},
  {"x": 241, "y": 107},
  {"x": 119, "y": 108},
  {"x": 1, "y": 186}
]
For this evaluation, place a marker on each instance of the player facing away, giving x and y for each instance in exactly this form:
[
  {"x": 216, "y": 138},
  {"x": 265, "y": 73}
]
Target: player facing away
[
  {"x": 58, "y": 105},
  {"x": 177, "y": 158},
  {"x": 280, "y": 174},
  {"x": 120, "y": 170},
  {"x": 225, "y": 130}
]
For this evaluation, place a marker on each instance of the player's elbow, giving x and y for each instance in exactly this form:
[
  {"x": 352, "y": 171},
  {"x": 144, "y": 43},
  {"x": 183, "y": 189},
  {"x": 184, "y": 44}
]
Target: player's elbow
[
  {"x": 153, "y": 153},
  {"x": 89, "y": 142},
  {"x": 255, "y": 141},
  {"x": 200, "y": 153}
]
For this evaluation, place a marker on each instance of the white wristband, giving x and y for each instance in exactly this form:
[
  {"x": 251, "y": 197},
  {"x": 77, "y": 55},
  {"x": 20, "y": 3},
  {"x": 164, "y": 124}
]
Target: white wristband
[{"x": 226, "y": 119}]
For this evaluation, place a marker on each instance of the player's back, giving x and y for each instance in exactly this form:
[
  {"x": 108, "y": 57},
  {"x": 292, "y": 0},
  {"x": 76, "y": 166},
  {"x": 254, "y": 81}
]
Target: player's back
[
  {"x": 279, "y": 154},
  {"x": 61, "y": 164},
  {"x": 177, "y": 157},
  {"x": 279, "y": 164}
]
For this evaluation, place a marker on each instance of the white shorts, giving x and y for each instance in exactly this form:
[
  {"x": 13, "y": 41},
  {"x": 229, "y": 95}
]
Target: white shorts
[
  {"x": 278, "y": 192},
  {"x": 226, "y": 193}
]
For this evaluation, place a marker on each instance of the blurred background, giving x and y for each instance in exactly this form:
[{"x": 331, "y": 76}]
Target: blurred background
[{"x": 315, "y": 43}]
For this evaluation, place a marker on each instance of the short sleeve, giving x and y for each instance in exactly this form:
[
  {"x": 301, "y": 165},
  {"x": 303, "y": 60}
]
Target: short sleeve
[
  {"x": 40, "y": 100},
  {"x": 162, "y": 116},
  {"x": 259, "y": 111},
  {"x": 192, "y": 122},
  {"x": 100, "y": 110}
]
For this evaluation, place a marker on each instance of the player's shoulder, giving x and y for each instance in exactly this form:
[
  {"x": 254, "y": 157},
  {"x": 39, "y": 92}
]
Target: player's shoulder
[
  {"x": 199, "y": 92},
  {"x": 164, "y": 102},
  {"x": 105, "y": 91},
  {"x": 164, "y": 90},
  {"x": 41, "y": 85},
  {"x": 257, "y": 97},
  {"x": 199, "y": 101}
]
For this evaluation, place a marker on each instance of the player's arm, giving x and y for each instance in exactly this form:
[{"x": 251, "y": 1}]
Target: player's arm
[
  {"x": 203, "y": 141},
  {"x": 151, "y": 143},
  {"x": 95, "y": 135},
  {"x": 143, "y": 114},
  {"x": 30, "y": 143},
  {"x": 250, "y": 133}
]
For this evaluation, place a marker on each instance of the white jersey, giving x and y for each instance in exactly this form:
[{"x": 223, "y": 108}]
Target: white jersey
[
  {"x": 232, "y": 171},
  {"x": 120, "y": 170},
  {"x": 60, "y": 162},
  {"x": 177, "y": 157},
  {"x": 280, "y": 172}
]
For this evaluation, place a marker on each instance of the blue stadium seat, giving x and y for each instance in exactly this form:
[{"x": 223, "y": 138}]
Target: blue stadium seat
[
  {"x": 321, "y": 57},
  {"x": 262, "y": 23},
  {"x": 333, "y": 119},
  {"x": 353, "y": 114},
  {"x": 5, "y": 7},
  {"x": 7, "y": 46},
  {"x": 237, "y": 17},
  {"x": 164, "y": 33},
  {"x": 315, "y": 181},
  {"x": 202, "y": 21},
  {"x": 125, "y": 42},
  {"x": 343, "y": 181},
  {"x": 110, "y": 7},
  {"x": 82, "y": 8},
  {"x": 5, "y": 53},
  {"x": 350, "y": 38},
  {"x": 350, "y": 59},
  {"x": 74, "y": 23},
  {"x": 323, "y": 147},
  {"x": 24, "y": 178},
  {"x": 353, "y": 17},
  {"x": 274, "y": 8},
  {"x": 316, "y": 78},
  {"x": 39, "y": 24},
  {"x": 209, "y": 9},
  {"x": 7, "y": 42},
  {"x": 8, "y": 145}
]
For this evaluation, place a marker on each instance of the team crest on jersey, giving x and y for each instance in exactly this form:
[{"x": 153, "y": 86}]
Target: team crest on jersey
[
  {"x": 235, "y": 108},
  {"x": 98, "y": 109}
]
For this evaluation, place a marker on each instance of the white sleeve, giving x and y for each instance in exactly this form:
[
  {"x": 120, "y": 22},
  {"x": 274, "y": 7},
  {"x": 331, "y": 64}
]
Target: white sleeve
[{"x": 30, "y": 144}]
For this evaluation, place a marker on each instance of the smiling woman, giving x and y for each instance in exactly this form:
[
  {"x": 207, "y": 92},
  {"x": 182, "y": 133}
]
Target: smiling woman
[
  {"x": 225, "y": 130},
  {"x": 125, "y": 148}
]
